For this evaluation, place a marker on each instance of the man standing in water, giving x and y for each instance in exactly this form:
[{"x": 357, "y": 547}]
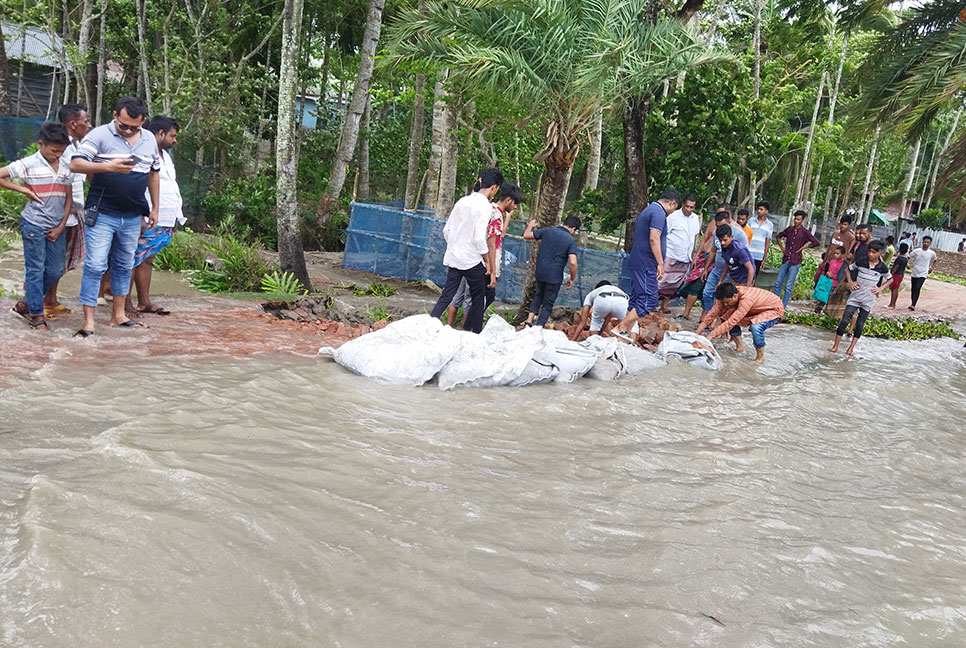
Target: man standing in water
[
  {"x": 682, "y": 226},
  {"x": 156, "y": 239},
  {"x": 466, "y": 249},
  {"x": 646, "y": 260},
  {"x": 557, "y": 249},
  {"x": 124, "y": 163},
  {"x": 739, "y": 306},
  {"x": 923, "y": 260}
]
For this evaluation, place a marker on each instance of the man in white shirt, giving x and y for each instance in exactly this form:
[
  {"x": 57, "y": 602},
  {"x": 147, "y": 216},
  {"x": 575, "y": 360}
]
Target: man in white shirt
[
  {"x": 922, "y": 262},
  {"x": 762, "y": 230},
  {"x": 682, "y": 226},
  {"x": 467, "y": 252},
  {"x": 155, "y": 239},
  {"x": 75, "y": 119}
]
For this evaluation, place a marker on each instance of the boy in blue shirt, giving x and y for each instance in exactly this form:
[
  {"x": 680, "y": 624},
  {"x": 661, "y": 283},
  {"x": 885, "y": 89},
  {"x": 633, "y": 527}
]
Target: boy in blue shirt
[
  {"x": 741, "y": 267},
  {"x": 47, "y": 182}
]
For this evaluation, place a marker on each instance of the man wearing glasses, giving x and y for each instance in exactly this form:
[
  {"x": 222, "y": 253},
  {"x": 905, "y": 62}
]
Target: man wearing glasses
[{"x": 123, "y": 163}]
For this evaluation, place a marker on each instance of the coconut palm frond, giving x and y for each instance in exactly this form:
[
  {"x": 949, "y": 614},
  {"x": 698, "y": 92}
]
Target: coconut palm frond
[{"x": 951, "y": 177}]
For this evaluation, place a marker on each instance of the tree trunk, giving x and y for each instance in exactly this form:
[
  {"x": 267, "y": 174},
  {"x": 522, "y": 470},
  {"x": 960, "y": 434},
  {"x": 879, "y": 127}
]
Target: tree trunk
[
  {"x": 942, "y": 152},
  {"x": 363, "y": 192},
  {"x": 416, "y": 126},
  {"x": 167, "y": 100},
  {"x": 436, "y": 143},
  {"x": 290, "y": 253},
  {"x": 807, "y": 156},
  {"x": 914, "y": 161},
  {"x": 868, "y": 173},
  {"x": 84, "y": 38},
  {"x": 556, "y": 182},
  {"x": 450, "y": 155},
  {"x": 838, "y": 79},
  {"x": 357, "y": 105},
  {"x": 634, "y": 166},
  {"x": 101, "y": 64},
  {"x": 592, "y": 174},
  {"x": 847, "y": 194},
  {"x": 143, "y": 52},
  {"x": 756, "y": 74},
  {"x": 324, "y": 83},
  {"x": 4, "y": 81}
]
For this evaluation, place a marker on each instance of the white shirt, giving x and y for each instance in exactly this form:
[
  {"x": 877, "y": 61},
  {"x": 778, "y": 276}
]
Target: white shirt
[
  {"x": 603, "y": 290},
  {"x": 681, "y": 231},
  {"x": 760, "y": 233},
  {"x": 169, "y": 194},
  {"x": 77, "y": 185},
  {"x": 465, "y": 232},
  {"x": 921, "y": 260}
]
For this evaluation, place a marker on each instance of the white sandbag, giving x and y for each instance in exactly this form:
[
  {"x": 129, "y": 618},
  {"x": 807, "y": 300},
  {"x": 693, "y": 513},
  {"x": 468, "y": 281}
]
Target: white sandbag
[
  {"x": 495, "y": 357},
  {"x": 536, "y": 372},
  {"x": 570, "y": 358},
  {"x": 678, "y": 345},
  {"x": 636, "y": 360},
  {"x": 409, "y": 351},
  {"x": 606, "y": 369}
]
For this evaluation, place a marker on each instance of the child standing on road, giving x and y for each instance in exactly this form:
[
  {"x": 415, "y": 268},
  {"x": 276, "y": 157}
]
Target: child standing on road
[
  {"x": 47, "y": 182},
  {"x": 834, "y": 268},
  {"x": 865, "y": 284},
  {"x": 898, "y": 271}
]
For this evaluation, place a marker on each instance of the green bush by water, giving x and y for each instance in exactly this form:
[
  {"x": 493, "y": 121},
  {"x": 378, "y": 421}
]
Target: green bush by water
[
  {"x": 285, "y": 283},
  {"x": 882, "y": 327},
  {"x": 804, "y": 286},
  {"x": 185, "y": 252}
]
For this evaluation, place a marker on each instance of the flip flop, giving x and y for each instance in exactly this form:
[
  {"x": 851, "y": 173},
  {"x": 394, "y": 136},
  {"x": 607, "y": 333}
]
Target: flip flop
[
  {"x": 622, "y": 336},
  {"x": 83, "y": 334},
  {"x": 59, "y": 309},
  {"x": 20, "y": 313},
  {"x": 37, "y": 325},
  {"x": 129, "y": 324},
  {"x": 154, "y": 310}
]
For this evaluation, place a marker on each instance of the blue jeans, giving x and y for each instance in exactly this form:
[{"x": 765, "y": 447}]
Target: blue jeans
[
  {"x": 758, "y": 331},
  {"x": 787, "y": 276},
  {"x": 114, "y": 238},
  {"x": 707, "y": 297},
  {"x": 43, "y": 264}
]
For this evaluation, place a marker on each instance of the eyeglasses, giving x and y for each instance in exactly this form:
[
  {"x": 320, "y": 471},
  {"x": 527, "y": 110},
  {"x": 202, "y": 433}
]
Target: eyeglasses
[{"x": 125, "y": 127}]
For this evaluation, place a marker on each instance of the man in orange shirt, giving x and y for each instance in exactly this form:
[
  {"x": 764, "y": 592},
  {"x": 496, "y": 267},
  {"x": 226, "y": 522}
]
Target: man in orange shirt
[{"x": 739, "y": 306}]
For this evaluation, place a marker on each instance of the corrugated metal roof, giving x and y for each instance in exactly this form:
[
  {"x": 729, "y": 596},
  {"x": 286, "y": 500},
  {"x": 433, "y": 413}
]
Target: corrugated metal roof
[{"x": 31, "y": 44}]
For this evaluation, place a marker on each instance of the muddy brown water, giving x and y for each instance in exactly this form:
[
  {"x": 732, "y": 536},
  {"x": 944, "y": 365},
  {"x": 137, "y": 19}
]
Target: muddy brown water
[{"x": 276, "y": 500}]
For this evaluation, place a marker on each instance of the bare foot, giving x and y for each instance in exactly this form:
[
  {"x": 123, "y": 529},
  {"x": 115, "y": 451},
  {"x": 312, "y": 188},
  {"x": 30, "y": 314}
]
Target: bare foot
[
  {"x": 834, "y": 349},
  {"x": 849, "y": 356},
  {"x": 739, "y": 347},
  {"x": 759, "y": 361}
]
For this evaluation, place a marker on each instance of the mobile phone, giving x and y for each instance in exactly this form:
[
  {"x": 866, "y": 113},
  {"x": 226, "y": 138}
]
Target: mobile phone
[{"x": 131, "y": 161}]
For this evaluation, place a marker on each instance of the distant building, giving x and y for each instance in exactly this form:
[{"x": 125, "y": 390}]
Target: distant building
[{"x": 37, "y": 52}]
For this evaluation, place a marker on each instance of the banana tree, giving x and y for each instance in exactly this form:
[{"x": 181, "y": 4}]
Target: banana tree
[{"x": 569, "y": 59}]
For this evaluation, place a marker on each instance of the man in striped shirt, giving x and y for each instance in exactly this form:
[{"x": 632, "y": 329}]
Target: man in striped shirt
[
  {"x": 124, "y": 162},
  {"x": 46, "y": 181}
]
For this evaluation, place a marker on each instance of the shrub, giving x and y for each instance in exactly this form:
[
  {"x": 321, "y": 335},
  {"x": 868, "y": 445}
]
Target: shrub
[
  {"x": 375, "y": 289},
  {"x": 249, "y": 202},
  {"x": 243, "y": 263},
  {"x": 185, "y": 252},
  {"x": 285, "y": 283},
  {"x": 882, "y": 327},
  {"x": 11, "y": 204}
]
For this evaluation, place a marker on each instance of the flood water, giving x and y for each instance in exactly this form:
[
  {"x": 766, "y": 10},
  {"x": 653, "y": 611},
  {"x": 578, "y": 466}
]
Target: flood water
[{"x": 279, "y": 501}]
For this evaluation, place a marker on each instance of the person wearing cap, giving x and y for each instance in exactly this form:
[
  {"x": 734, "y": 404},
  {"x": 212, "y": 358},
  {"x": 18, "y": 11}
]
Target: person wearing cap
[{"x": 557, "y": 249}]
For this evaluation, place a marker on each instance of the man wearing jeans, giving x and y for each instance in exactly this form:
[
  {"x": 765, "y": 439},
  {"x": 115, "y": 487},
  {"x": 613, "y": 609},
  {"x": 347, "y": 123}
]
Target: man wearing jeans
[
  {"x": 715, "y": 264},
  {"x": 797, "y": 238},
  {"x": 739, "y": 306},
  {"x": 124, "y": 163},
  {"x": 467, "y": 252}
]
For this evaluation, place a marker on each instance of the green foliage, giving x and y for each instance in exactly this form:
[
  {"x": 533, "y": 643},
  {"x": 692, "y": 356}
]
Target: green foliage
[
  {"x": 375, "y": 289},
  {"x": 938, "y": 276},
  {"x": 11, "y": 204},
  {"x": 934, "y": 219},
  {"x": 881, "y": 327},
  {"x": 185, "y": 252},
  {"x": 378, "y": 313},
  {"x": 249, "y": 202},
  {"x": 804, "y": 287},
  {"x": 285, "y": 283},
  {"x": 7, "y": 239},
  {"x": 603, "y": 208}
]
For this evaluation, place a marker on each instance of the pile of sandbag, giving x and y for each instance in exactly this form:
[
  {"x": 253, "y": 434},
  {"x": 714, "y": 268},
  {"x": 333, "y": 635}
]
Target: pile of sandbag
[{"x": 419, "y": 349}]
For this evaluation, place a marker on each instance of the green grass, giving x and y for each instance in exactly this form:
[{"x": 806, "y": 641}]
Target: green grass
[
  {"x": 882, "y": 327},
  {"x": 374, "y": 289},
  {"x": 947, "y": 278},
  {"x": 7, "y": 239}
]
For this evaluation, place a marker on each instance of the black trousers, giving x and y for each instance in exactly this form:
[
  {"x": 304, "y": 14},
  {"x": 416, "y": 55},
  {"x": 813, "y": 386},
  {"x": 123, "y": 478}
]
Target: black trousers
[
  {"x": 917, "y": 288},
  {"x": 543, "y": 300},
  {"x": 490, "y": 293},
  {"x": 859, "y": 321},
  {"x": 476, "y": 280}
]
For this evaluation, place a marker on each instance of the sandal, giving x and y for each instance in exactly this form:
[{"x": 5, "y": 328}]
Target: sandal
[
  {"x": 59, "y": 309},
  {"x": 83, "y": 333},
  {"x": 37, "y": 325},
  {"x": 21, "y": 310},
  {"x": 154, "y": 310},
  {"x": 129, "y": 324}
]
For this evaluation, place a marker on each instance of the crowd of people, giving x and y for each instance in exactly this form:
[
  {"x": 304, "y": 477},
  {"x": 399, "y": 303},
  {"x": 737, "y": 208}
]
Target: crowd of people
[
  {"x": 133, "y": 206},
  {"x": 129, "y": 213},
  {"x": 671, "y": 257}
]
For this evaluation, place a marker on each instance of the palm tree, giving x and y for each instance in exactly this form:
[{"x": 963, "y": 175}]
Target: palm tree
[
  {"x": 567, "y": 58},
  {"x": 916, "y": 74}
]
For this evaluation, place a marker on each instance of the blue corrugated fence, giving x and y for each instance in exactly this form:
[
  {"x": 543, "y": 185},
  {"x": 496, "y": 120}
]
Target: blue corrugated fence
[{"x": 386, "y": 240}]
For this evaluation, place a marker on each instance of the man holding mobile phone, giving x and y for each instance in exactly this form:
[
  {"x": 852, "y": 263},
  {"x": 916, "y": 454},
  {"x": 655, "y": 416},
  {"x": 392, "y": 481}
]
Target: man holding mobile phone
[{"x": 124, "y": 163}]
